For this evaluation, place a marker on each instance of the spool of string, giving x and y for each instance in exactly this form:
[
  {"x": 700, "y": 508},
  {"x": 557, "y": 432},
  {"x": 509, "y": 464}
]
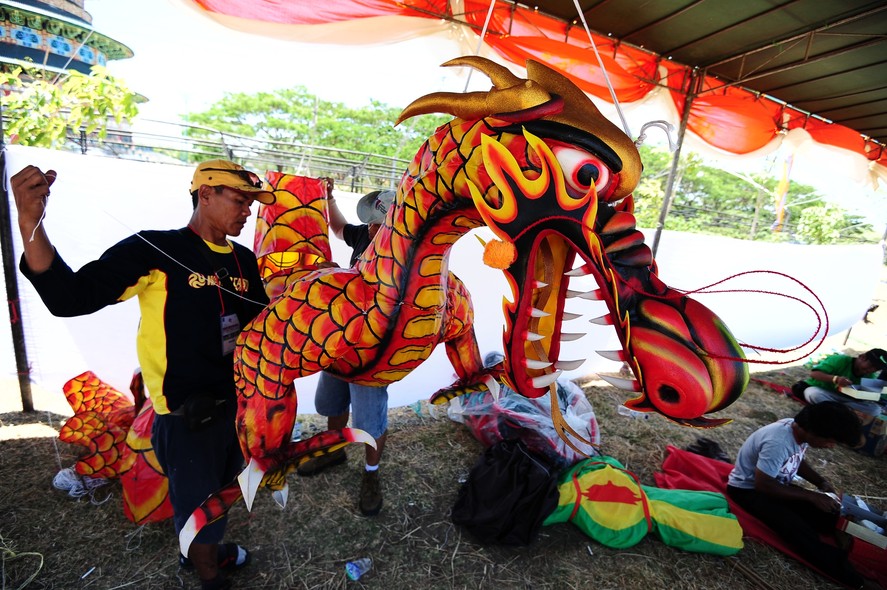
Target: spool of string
[{"x": 78, "y": 485}]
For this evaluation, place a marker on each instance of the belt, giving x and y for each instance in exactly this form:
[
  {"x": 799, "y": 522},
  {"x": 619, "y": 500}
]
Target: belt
[{"x": 180, "y": 411}]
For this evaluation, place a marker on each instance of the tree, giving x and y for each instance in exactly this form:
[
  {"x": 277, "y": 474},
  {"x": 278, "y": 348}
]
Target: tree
[
  {"x": 39, "y": 111},
  {"x": 821, "y": 224},
  {"x": 711, "y": 200},
  {"x": 295, "y": 116}
]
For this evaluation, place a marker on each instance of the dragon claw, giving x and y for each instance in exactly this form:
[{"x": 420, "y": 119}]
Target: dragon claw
[
  {"x": 484, "y": 380},
  {"x": 188, "y": 534},
  {"x": 493, "y": 386},
  {"x": 356, "y": 435},
  {"x": 250, "y": 479},
  {"x": 281, "y": 496}
]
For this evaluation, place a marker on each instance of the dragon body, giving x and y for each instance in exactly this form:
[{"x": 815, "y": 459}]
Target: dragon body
[{"x": 535, "y": 161}]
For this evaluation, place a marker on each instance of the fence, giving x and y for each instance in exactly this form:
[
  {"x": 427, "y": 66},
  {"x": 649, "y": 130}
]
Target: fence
[{"x": 158, "y": 141}]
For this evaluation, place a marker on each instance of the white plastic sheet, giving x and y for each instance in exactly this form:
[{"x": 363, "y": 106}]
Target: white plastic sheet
[{"x": 97, "y": 201}]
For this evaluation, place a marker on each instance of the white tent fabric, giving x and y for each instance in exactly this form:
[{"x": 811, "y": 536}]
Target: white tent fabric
[{"x": 97, "y": 201}]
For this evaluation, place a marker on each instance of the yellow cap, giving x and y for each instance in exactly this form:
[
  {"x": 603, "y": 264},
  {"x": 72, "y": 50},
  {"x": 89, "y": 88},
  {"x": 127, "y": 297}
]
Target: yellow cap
[{"x": 234, "y": 176}]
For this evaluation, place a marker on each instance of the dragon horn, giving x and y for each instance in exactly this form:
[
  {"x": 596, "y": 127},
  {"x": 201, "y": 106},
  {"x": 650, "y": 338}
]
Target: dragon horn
[
  {"x": 499, "y": 75},
  {"x": 509, "y": 94}
]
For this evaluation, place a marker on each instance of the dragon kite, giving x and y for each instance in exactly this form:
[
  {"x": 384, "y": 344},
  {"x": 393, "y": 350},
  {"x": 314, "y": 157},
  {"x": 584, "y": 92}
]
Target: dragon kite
[{"x": 536, "y": 162}]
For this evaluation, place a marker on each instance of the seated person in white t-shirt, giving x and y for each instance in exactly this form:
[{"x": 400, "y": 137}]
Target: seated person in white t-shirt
[{"x": 761, "y": 483}]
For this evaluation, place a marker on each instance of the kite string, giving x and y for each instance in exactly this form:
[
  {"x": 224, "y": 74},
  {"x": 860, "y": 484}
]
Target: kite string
[
  {"x": 6, "y": 185},
  {"x": 600, "y": 62},
  {"x": 78, "y": 485},
  {"x": 480, "y": 41},
  {"x": 177, "y": 261},
  {"x": 8, "y": 554}
]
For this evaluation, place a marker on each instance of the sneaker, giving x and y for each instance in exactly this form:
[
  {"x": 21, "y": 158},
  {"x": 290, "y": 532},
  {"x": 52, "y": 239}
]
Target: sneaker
[
  {"x": 318, "y": 465},
  {"x": 370, "y": 494},
  {"x": 232, "y": 557}
]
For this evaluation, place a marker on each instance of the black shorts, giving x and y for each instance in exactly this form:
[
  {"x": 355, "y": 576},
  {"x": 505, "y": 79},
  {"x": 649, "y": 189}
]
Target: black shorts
[{"x": 197, "y": 464}]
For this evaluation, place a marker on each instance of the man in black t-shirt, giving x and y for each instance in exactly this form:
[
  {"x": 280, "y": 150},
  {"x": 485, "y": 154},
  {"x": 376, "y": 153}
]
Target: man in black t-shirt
[{"x": 196, "y": 290}]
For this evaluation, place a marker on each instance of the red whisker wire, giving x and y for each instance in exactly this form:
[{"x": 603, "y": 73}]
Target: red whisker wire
[{"x": 819, "y": 318}]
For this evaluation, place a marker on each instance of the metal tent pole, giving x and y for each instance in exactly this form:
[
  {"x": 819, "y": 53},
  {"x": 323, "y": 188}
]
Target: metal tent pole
[
  {"x": 695, "y": 77},
  {"x": 11, "y": 280}
]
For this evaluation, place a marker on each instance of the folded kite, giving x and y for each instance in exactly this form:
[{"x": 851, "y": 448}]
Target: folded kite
[{"x": 609, "y": 504}]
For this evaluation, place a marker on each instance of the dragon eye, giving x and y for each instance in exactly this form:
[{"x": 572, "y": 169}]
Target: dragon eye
[
  {"x": 582, "y": 170},
  {"x": 587, "y": 174}
]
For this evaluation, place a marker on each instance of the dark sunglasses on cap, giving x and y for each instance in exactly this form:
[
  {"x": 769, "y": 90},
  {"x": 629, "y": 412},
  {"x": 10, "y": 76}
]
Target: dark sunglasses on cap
[{"x": 251, "y": 178}]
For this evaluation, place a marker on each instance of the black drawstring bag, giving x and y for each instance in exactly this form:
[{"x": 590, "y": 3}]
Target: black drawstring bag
[{"x": 509, "y": 493}]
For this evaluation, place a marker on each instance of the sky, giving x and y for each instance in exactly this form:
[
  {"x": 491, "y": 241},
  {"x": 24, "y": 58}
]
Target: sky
[{"x": 185, "y": 62}]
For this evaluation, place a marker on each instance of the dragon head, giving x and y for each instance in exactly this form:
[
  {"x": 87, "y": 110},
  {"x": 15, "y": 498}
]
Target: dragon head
[{"x": 553, "y": 180}]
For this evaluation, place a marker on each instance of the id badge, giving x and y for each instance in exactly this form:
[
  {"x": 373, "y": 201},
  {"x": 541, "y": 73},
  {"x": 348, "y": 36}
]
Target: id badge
[{"x": 230, "y": 329}]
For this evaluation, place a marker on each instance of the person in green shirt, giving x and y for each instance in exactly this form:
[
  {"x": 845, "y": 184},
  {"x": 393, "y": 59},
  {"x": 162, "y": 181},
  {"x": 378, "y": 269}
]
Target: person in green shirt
[{"x": 835, "y": 371}]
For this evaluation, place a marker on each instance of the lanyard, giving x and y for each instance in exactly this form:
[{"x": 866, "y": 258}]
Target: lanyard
[{"x": 220, "y": 273}]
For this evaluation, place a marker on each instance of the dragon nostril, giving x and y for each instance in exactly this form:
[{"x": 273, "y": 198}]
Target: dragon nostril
[{"x": 669, "y": 394}]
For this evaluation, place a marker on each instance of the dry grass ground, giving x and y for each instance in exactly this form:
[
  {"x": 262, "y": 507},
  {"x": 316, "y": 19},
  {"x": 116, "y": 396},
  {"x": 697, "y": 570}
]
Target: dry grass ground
[{"x": 75, "y": 543}]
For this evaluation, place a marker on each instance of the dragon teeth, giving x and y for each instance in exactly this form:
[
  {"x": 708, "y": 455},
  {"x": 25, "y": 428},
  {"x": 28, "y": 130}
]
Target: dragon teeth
[
  {"x": 543, "y": 381},
  {"x": 538, "y": 365},
  {"x": 613, "y": 355},
  {"x": 594, "y": 295},
  {"x": 603, "y": 320},
  {"x": 538, "y": 313},
  {"x": 569, "y": 365},
  {"x": 570, "y": 336},
  {"x": 533, "y": 337},
  {"x": 577, "y": 272},
  {"x": 626, "y": 384}
]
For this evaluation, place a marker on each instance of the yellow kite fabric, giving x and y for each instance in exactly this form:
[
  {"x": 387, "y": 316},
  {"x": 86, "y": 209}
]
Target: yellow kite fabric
[{"x": 609, "y": 504}]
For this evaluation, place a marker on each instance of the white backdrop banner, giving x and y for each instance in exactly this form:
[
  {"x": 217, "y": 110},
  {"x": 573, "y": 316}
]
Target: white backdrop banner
[{"x": 97, "y": 201}]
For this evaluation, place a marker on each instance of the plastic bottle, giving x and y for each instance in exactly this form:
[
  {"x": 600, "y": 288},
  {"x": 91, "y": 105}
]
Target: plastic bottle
[
  {"x": 358, "y": 567},
  {"x": 297, "y": 432},
  {"x": 629, "y": 413}
]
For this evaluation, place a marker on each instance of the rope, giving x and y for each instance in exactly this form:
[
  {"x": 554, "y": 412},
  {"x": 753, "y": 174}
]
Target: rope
[
  {"x": 480, "y": 41},
  {"x": 822, "y": 322},
  {"x": 666, "y": 127},
  {"x": 73, "y": 53},
  {"x": 750, "y": 574},
  {"x": 179, "y": 262},
  {"x": 55, "y": 440},
  {"x": 78, "y": 486},
  {"x": 600, "y": 62},
  {"x": 134, "y": 539},
  {"x": 7, "y": 555}
]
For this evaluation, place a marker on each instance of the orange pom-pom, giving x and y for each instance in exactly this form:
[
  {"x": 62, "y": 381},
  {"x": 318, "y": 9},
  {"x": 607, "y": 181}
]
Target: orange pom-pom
[{"x": 499, "y": 254}]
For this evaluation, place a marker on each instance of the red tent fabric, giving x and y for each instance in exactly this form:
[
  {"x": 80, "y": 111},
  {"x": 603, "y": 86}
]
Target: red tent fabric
[
  {"x": 732, "y": 119},
  {"x": 689, "y": 471}
]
